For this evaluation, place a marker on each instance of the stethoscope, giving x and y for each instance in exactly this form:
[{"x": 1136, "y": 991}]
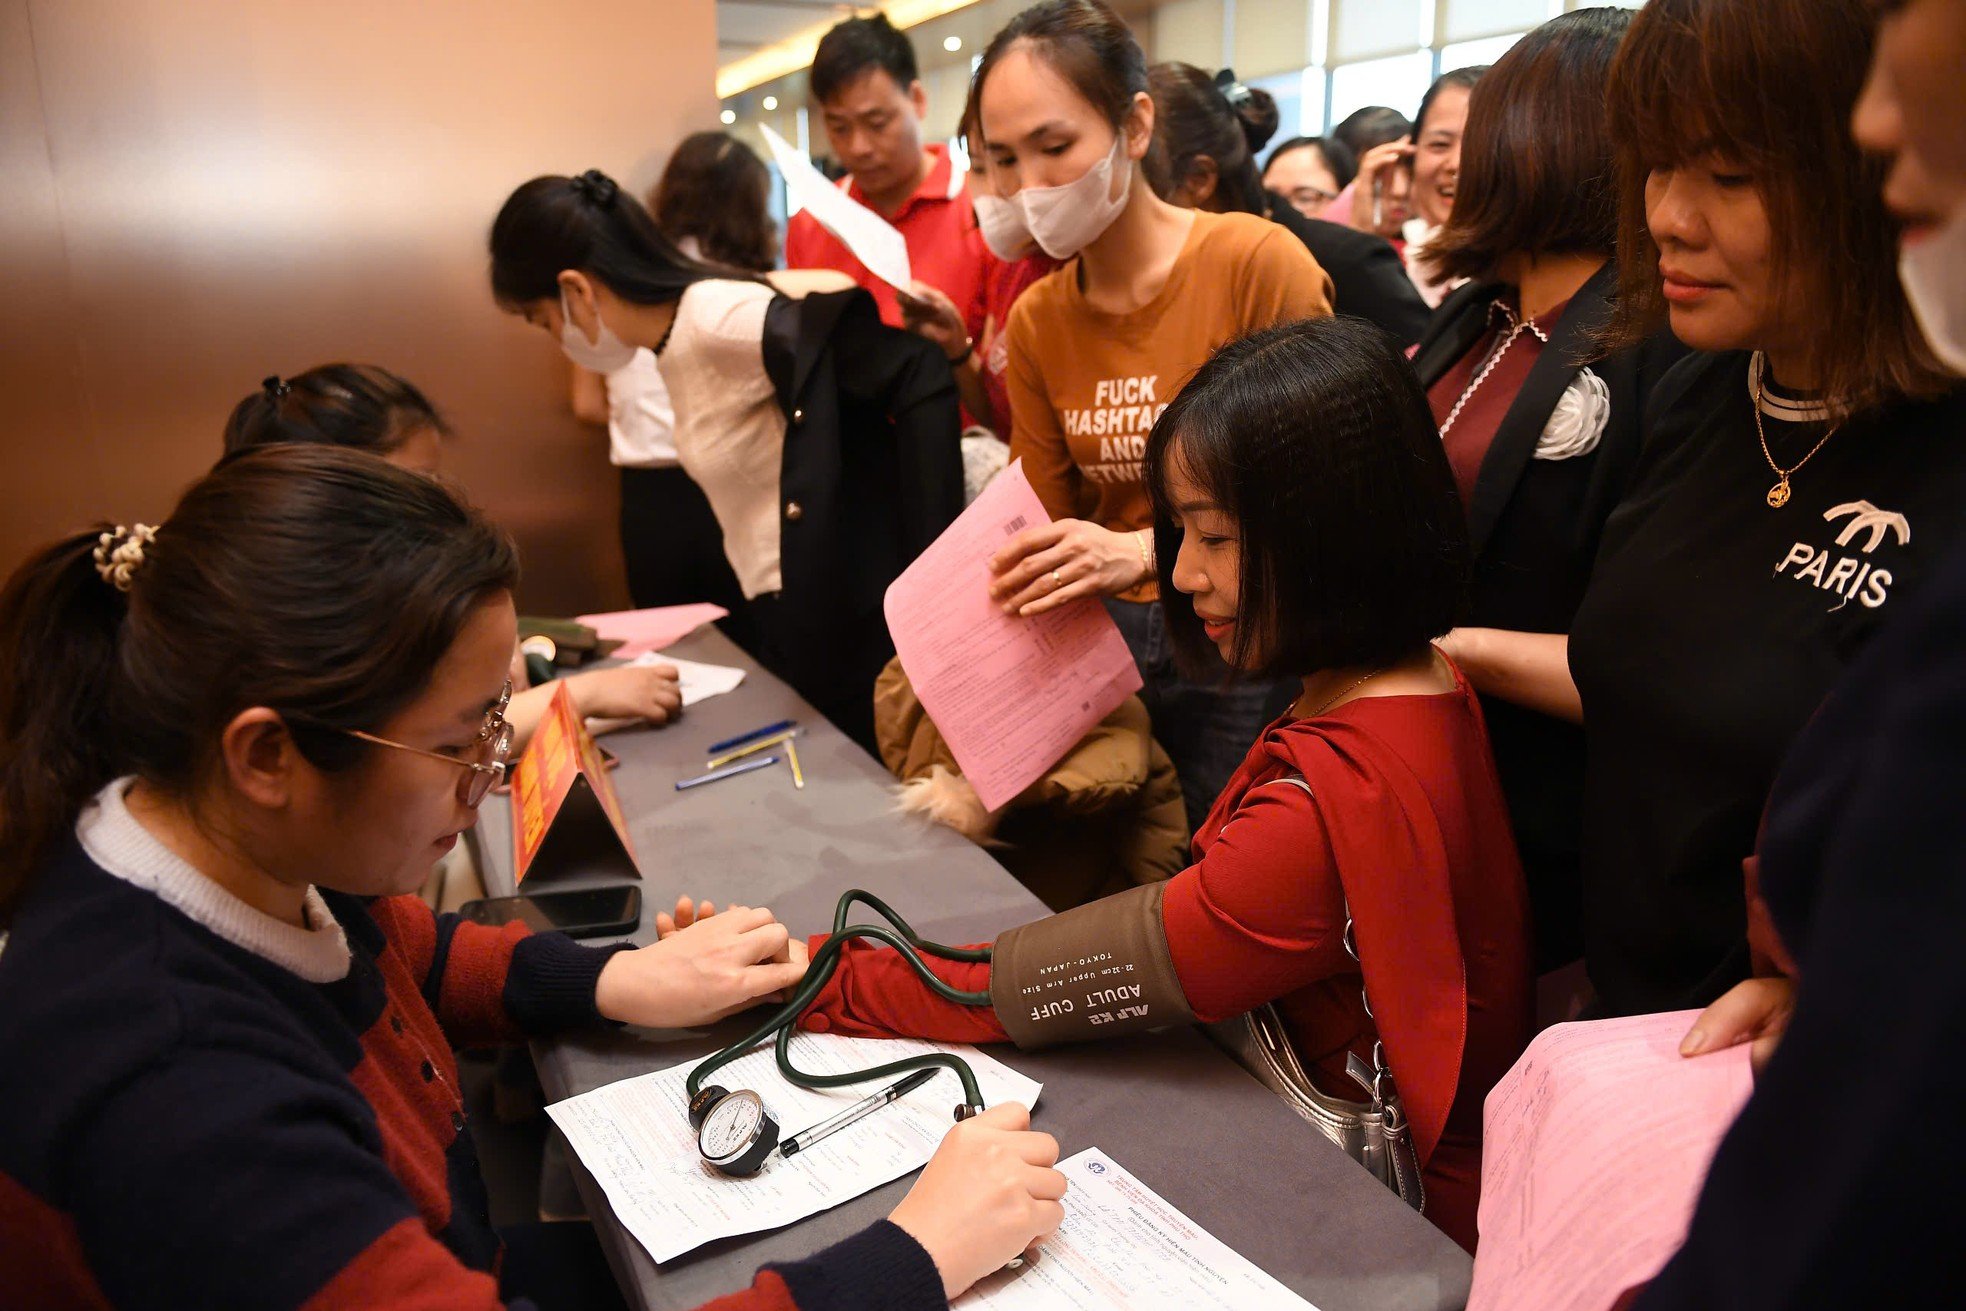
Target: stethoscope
[{"x": 735, "y": 1131}]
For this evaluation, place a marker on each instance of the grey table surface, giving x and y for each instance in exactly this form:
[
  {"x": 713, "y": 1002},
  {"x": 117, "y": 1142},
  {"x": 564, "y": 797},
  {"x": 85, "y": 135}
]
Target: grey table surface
[{"x": 1168, "y": 1106}]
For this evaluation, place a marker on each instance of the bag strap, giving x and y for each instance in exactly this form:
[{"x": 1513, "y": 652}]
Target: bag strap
[{"x": 1377, "y": 1078}]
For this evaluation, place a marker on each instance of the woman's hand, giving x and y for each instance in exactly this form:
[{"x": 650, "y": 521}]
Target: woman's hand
[
  {"x": 1757, "y": 1010},
  {"x": 985, "y": 1197},
  {"x": 1047, "y": 566},
  {"x": 649, "y": 692},
  {"x": 713, "y": 968},
  {"x": 929, "y": 314},
  {"x": 1377, "y": 166}
]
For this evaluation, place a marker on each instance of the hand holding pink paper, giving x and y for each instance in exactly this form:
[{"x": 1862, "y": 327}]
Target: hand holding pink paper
[
  {"x": 1595, "y": 1146},
  {"x": 1010, "y": 695}
]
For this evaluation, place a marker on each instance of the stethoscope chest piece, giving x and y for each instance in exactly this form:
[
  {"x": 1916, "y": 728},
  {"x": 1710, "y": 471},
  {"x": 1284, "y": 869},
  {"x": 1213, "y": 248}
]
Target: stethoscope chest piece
[{"x": 734, "y": 1131}]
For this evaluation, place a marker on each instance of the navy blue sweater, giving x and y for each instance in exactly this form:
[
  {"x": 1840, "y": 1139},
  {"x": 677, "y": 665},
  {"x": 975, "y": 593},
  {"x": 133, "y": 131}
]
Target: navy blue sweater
[{"x": 184, "y": 1123}]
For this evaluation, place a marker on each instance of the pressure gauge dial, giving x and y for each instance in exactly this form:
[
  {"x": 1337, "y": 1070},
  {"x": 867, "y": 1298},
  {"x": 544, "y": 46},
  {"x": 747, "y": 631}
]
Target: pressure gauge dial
[{"x": 737, "y": 1133}]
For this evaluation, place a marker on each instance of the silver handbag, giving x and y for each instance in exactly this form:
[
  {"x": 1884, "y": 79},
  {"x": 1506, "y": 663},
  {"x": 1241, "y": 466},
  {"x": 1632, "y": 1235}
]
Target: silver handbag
[{"x": 1375, "y": 1133}]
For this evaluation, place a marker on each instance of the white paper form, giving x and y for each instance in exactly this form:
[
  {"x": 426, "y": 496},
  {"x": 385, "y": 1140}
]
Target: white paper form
[
  {"x": 635, "y": 1138},
  {"x": 1123, "y": 1248},
  {"x": 696, "y": 680},
  {"x": 873, "y": 240},
  {"x": 1010, "y": 695}
]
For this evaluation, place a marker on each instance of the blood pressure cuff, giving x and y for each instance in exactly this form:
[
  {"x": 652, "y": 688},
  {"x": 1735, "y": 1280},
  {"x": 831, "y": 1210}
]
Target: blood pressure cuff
[{"x": 1093, "y": 972}]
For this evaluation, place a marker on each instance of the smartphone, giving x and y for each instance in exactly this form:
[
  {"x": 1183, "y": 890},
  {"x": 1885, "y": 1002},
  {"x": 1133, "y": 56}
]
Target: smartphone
[{"x": 588, "y": 913}]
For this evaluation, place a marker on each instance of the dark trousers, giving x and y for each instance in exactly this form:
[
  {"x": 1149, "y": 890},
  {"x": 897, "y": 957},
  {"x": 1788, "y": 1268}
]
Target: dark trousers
[
  {"x": 558, "y": 1267},
  {"x": 674, "y": 549},
  {"x": 1206, "y": 725}
]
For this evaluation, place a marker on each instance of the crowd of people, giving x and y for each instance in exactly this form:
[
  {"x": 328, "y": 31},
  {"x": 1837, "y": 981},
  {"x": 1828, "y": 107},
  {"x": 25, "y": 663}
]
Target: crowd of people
[{"x": 1537, "y": 524}]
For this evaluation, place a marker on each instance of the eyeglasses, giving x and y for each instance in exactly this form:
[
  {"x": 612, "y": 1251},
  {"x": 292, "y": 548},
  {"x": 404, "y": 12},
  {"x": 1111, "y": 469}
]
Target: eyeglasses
[{"x": 485, "y": 765}]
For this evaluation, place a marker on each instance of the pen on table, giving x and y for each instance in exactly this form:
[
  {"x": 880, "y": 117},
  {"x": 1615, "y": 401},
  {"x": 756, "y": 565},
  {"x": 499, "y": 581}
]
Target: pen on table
[
  {"x": 792, "y": 755},
  {"x": 718, "y": 762},
  {"x": 860, "y": 1110},
  {"x": 754, "y": 734},
  {"x": 729, "y": 771}
]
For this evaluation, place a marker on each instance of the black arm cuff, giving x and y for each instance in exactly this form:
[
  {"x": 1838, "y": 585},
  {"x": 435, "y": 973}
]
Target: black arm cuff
[
  {"x": 550, "y": 986},
  {"x": 881, "y": 1268}
]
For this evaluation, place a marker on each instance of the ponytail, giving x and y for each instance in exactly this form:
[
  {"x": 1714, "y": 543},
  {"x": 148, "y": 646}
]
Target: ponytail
[
  {"x": 59, "y": 620},
  {"x": 588, "y": 223},
  {"x": 1197, "y": 115},
  {"x": 320, "y": 582}
]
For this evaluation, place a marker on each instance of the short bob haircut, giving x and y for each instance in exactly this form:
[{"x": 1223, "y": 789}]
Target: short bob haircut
[
  {"x": 1536, "y": 173},
  {"x": 1316, "y": 438},
  {"x": 717, "y": 190},
  {"x": 1769, "y": 85},
  {"x": 360, "y": 406}
]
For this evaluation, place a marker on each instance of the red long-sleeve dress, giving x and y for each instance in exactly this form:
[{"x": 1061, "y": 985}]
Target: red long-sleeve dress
[{"x": 1405, "y": 821}]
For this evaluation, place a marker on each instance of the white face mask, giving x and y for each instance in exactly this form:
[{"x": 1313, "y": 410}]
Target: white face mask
[
  {"x": 1934, "y": 276},
  {"x": 604, "y": 354},
  {"x": 1002, "y": 225},
  {"x": 1065, "y": 220}
]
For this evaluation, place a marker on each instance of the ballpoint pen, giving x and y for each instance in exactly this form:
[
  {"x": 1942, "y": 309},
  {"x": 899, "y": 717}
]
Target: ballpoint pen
[
  {"x": 853, "y": 1114},
  {"x": 751, "y": 748},
  {"x": 729, "y": 771},
  {"x": 753, "y": 735}
]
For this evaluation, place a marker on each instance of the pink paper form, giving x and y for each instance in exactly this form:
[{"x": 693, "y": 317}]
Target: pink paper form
[
  {"x": 641, "y": 631},
  {"x": 1011, "y": 696},
  {"x": 1595, "y": 1146}
]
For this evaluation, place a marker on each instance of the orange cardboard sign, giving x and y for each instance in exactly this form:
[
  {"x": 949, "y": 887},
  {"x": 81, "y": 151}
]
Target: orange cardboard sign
[{"x": 560, "y": 786}]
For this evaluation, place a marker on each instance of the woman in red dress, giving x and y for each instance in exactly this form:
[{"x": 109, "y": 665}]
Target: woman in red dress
[{"x": 1309, "y": 517}]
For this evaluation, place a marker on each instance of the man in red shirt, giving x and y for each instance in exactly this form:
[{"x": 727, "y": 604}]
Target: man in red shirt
[{"x": 870, "y": 97}]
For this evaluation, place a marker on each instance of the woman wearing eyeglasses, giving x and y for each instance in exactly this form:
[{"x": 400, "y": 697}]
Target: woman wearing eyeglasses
[{"x": 229, "y": 746}]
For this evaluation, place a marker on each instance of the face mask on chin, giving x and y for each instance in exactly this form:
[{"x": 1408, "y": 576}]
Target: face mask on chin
[
  {"x": 1064, "y": 220},
  {"x": 604, "y": 354},
  {"x": 1933, "y": 272}
]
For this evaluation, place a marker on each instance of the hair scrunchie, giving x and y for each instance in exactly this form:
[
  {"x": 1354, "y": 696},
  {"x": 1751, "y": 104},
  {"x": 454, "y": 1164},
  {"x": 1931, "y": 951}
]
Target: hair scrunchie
[
  {"x": 1232, "y": 90},
  {"x": 276, "y": 387},
  {"x": 119, "y": 552},
  {"x": 597, "y": 187}
]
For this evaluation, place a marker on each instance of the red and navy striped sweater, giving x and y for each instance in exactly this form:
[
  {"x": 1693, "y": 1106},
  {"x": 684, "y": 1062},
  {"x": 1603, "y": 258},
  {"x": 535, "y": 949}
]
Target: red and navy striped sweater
[{"x": 185, "y": 1123}]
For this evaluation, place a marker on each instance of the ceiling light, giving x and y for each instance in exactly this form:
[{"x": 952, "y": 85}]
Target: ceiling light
[
  {"x": 729, "y": 116},
  {"x": 952, "y": 43},
  {"x": 771, "y": 103}
]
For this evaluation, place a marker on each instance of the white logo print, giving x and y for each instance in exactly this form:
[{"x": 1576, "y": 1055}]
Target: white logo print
[
  {"x": 1850, "y": 577},
  {"x": 1869, "y": 516}
]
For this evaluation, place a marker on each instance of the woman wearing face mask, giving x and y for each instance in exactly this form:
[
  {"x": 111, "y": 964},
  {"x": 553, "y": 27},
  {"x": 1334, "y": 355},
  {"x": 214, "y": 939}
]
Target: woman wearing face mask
[
  {"x": 230, "y": 744},
  {"x": 981, "y": 365},
  {"x": 1543, "y": 429},
  {"x": 828, "y": 444},
  {"x": 1797, "y": 482},
  {"x": 1319, "y": 539},
  {"x": 1207, "y": 131},
  {"x": 1404, "y": 190},
  {"x": 1098, "y": 349},
  {"x": 713, "y": 200}
]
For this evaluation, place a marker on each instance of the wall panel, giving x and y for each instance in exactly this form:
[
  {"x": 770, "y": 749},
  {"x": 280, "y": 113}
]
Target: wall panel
[{"x": 202, "y": 192}]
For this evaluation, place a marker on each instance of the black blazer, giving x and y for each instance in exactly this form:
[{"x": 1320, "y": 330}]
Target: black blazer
[
  {"x": 1535, "y": 527},
  {"x": 872, "y": 473},
  {"x": 1368, "y": 280}
]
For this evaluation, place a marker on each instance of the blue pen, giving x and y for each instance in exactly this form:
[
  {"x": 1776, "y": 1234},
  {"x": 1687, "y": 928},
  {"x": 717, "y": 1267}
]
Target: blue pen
[
  {"x": 753, "y": 735},
  {"x": 728, "y": 771}
]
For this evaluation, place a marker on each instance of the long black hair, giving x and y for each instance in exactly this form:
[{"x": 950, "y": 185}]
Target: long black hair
[
  {"x": 320, "y": 582},
  {"x": 1316, "y": 438},
  {"x": 589, "y": 224}
]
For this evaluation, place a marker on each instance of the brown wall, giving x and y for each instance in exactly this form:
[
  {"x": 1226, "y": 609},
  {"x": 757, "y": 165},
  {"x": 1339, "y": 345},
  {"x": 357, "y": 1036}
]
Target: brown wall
[{"x": 198, "y": 193}]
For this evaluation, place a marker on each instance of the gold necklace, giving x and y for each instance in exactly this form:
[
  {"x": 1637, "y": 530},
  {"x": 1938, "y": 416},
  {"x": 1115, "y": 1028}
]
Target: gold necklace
[
  {"x": 1778, "y": 495},
  {"x": 1347, "y": 689}
]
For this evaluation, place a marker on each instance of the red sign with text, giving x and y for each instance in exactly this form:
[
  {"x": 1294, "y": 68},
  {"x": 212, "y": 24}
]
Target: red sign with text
[{"x": 562, "y": 798}]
